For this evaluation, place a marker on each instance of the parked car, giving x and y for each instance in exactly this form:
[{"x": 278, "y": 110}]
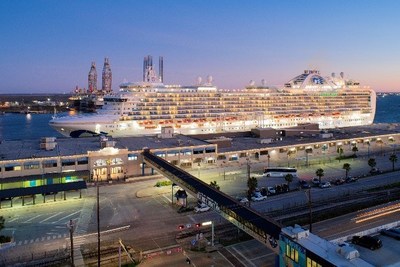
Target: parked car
[
  {"x": 258, "y": 198},
  {"x": 371, "y": 242},
  {"x": 304, "y": 184},
  {"x": 183, "y": 209},
  {"x": 374, "y": 171},
  {"x": 201, "y": 208},
  {"x": 315, "y": 181},
  {"x": 391, "y": 233},
  {"x": 271, "y": 190},
  {"x": 244, "y": 200},
  {"x": 351, "y": 179},
  {"x": 325, "y": 185},
  {"x": 338, "y": 181}
]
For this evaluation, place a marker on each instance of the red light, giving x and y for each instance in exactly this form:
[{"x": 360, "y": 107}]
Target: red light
[
  {"x": 198, "y": 225},
  {"x": 180, "y": 227}
]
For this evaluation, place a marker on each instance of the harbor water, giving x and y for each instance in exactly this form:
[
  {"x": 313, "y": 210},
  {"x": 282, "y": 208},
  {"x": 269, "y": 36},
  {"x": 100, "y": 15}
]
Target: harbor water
[{"x": 15, "y": 126}]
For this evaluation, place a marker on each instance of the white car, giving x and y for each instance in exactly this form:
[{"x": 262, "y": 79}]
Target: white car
[
  {"x": 244, "y": 200},
  {"x": 201, "y": 208},
  {"x": 325, "y": 185},
  {"x": 258, "y": 197},
  {"x": 271, "y": 190}
]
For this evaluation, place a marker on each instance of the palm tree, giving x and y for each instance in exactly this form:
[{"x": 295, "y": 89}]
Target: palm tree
[
  {"x": 347, "y": 167},
  {"x": 252, "y": 184},
  {"x": 339, "y": 150},
  {"x": 289, "y": 179},
  {"x": 393, "y": 159},
  {"x": 355, "y": 150},
  {"x": 214, "y": 184},
  {"x": 319, "y": 173},
  {"x": 372, "y": 163}
]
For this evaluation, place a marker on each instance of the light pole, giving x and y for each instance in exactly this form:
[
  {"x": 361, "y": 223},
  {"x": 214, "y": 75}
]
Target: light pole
[
  {"x": 198, "y": 170},
  {"x": 98, "y": 222},
  {"x": 308, "y": 195},
  {"x": 71, "y": 226},
  {"x": 212, "y": 230},
  {"x": 268, "y": 157},
  {"x": 248, "y": 168}
]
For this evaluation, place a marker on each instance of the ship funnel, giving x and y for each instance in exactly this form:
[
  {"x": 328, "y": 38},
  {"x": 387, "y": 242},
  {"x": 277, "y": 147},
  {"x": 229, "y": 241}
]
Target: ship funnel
[
  {"x": 263, "y": 82},
  {"x": 342, "y": 74},
  {"x": 333, "y": 75}
]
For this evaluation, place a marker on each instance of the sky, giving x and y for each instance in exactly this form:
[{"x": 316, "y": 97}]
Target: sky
[{"x": 48, "y": 46}]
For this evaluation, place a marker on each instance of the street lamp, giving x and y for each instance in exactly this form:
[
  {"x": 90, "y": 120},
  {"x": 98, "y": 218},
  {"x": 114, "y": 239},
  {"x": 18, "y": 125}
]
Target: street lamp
[
  {"x": 198, "y": 170},
  {"x": 369, "y": 144},
  {"x": 98, "y": 221},
  {"x": 212, "y": 230},
  {"x": 308, "y": 195},
  {"x": 71, "y": 226},
  {"x": 248, "y": 168}
]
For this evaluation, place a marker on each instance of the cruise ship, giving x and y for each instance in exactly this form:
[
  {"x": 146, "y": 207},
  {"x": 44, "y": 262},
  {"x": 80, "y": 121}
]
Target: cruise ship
[{"x": 144, "y": 108}]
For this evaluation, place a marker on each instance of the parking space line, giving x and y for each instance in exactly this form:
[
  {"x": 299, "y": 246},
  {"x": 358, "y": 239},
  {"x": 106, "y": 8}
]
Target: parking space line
[
  {"x": 69, "y": 215},
  {"x": 244, "y": 257},
  {"x": 58, "y": 213},
  {"x": 33, "y": 218},
  {"x": 167, "y": 198}
]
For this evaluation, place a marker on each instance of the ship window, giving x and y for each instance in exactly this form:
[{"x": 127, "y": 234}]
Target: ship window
[
  {"x": 31, "y": 165},
  {"x": 49, "y": 163},
  {"x": 83, "y": 161},
  {"x": 68, "y": 162},
  {"x": 12, "y": 167},
  {"x": 132, "y": 156}
]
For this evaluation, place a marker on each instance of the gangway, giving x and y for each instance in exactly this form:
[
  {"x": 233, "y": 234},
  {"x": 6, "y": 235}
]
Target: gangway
[{"x": 264, "y": 229}]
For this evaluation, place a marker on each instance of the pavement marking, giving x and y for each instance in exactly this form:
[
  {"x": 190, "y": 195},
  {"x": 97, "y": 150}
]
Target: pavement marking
[
  {"x": 58, "y": 213},
  {"x": 69, "y": 215},
  {"x": 167, "y": 198},
  {"x": 13, "y": 219},
  {"x": 33, "y": 218},
  {"x": 192, "y": 219},
  {"x": 223, "y": 256},
  {"x": 244, "y": 257}
]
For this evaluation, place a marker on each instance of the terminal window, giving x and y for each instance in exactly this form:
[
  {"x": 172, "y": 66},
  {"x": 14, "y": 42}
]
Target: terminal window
[{"x": 292, "y": 253}]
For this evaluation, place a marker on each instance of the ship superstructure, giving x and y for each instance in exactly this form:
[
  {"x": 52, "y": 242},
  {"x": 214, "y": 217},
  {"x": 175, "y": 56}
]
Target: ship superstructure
[{"x": 144, "y": 108}]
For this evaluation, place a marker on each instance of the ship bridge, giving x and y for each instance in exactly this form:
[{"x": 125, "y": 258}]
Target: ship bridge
[{"x": 262, "y": 228}]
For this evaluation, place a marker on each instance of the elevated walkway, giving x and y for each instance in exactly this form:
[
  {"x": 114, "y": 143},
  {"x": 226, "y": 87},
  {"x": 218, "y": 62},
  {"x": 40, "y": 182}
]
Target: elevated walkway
[{"x": 264, "y": 229}]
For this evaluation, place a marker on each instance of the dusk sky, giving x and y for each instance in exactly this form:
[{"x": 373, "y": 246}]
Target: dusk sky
[{"x": 48, "y": 46}]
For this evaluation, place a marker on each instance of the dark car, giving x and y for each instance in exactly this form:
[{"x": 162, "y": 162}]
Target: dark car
[
  {"x": 304, "y": 184},
  {"x": 183, "y": 209},
  {"x": 351, "y": 179},
  {"x": 391, "y": 233},
  {"x": 374, "y": 171},
  {"x": 338, "y": 181},
  {"x": 371, "y": 242}
]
